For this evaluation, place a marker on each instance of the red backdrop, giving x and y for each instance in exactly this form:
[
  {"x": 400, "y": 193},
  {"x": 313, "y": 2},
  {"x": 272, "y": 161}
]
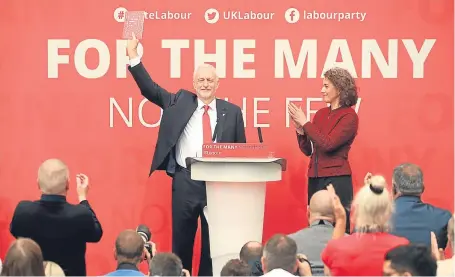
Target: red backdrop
[{"x": 51, "y": 107}]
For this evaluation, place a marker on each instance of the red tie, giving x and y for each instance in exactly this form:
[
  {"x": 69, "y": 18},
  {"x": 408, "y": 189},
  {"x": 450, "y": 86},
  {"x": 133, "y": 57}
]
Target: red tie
[{"x": 207, "y": 129}]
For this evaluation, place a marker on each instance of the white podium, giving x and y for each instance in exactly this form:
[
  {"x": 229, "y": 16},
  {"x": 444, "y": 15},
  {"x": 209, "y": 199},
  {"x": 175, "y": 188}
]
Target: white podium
[{"x": 235, "y": 201}]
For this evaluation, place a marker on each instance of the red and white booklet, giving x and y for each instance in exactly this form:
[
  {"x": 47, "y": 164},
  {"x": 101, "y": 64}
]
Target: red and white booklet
[{"x": 134, "y": 23}]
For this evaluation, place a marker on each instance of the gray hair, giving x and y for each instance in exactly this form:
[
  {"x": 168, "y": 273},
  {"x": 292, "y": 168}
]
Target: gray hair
[
  {"x": 202, "y": 66},
  {"x": 53, "y": 176},
  {"x": 165, "y": 264},
  {"x": 408, "y": 179}
]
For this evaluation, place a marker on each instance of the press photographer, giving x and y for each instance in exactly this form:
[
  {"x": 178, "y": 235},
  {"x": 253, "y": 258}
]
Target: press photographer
[
  {"x": 146, "y": 236},
  {"x": 130, "y": 251}
]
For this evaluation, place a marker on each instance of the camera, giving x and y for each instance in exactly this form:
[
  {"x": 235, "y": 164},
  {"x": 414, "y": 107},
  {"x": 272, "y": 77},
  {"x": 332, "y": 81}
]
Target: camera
[{"x": 146, "y": 236}]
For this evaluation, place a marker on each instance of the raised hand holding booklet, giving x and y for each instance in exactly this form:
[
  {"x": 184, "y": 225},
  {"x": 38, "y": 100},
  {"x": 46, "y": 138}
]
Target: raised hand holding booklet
[{"x": 134, "y": 23}]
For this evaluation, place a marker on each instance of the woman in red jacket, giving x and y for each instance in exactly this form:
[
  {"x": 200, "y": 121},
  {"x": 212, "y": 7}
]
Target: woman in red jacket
[{"x": 329, "y": 137}]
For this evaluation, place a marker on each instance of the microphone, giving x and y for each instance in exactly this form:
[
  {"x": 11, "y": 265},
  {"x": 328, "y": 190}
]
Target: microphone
[{"x": 260, "y": 134}]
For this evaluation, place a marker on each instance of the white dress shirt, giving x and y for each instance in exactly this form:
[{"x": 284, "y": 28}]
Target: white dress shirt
[{"x": 192, "y": 138}]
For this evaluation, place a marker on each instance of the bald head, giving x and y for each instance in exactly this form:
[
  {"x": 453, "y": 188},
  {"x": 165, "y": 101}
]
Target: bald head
[
  {"x": 129, "y": 246},
  {"x": 53, "y": 177},
  {"x": 251, "y": 251},
  {"x": 321, "y": 206}
]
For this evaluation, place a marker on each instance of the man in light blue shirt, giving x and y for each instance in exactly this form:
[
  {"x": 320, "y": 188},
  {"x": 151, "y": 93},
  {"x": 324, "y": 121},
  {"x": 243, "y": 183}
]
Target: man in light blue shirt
[{"x": 129, "y": 253}]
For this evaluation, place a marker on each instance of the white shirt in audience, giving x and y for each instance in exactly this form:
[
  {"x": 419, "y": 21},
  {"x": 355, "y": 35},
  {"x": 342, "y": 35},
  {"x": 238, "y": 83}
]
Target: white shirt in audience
[{"x": 278, "y": 273}]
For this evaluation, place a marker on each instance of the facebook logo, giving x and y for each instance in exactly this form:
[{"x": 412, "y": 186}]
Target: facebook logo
[{"x": 292, "y": 15}]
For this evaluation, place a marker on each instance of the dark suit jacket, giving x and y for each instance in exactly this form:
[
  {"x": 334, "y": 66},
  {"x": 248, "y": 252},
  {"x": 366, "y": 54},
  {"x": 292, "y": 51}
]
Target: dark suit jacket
[
  {"x": 332, "y": 133},
  {"x": 60, "y": 229},
  {"x": 177, "y": 111},
  {"x": 414, "y": 220}
]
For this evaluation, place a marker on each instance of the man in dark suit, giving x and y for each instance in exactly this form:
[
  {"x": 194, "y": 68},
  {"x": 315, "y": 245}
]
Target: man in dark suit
[
  {"x": 414, "y": 219},
  {"x": 60, "y": 229},
  {"x": 188, "y": 120}
]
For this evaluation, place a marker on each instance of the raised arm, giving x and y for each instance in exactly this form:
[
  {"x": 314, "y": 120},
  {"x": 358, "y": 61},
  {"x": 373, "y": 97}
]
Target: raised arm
[
  {"x": 90, "y": 227},
  {"x": 91, "y": 230},
  {"x": 344, "y": 131},
  {"x": 149, "y": 89}
]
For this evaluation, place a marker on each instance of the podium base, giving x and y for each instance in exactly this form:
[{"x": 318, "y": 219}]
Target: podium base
[
  {"x": 236, "y": 188},
  {"x": 235, "y": 215},
  {"x": 219, "y": 262}
]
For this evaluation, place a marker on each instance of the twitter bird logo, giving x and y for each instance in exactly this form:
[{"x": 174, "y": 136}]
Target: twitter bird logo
[{"x": 211, "y": 16}]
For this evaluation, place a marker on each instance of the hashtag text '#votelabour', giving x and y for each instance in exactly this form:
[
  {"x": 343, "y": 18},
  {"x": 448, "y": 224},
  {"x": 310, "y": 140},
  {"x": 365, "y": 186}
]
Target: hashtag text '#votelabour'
[{"x": 334, "y": 16}]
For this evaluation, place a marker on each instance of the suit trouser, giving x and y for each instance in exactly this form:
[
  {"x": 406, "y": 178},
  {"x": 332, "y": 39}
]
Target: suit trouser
[
  {"x": 343, "y": 188},
  {"x": 188, "y": 200}
]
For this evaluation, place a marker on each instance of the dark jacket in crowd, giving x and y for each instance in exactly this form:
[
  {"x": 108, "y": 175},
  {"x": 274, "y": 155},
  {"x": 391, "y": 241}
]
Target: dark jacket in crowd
[{"x": 61, "y": 230}]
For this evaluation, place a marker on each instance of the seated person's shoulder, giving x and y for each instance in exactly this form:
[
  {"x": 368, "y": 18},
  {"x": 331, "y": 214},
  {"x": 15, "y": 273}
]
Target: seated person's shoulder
[
  {"x": 300, "y": 233},
  {"x": 398, "y": 240},
  {"x": 80, "y": 210},
  {"x": 26, "y": 205},
  {"x": 439, "y": 213},
  {"x": 445, "y": 213}
]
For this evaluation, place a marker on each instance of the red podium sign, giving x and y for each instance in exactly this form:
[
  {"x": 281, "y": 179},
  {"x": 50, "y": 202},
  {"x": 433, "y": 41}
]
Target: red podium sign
[{"x": 236, "y": 150}]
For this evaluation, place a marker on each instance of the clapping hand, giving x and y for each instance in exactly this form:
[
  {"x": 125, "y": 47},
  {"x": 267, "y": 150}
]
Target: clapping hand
[
  {"x": 367, "y": 179},
  {"x": 338, "y": 209},
  {"x": 297, "y": 115},
  {"x": 82, "y": 186},
  {"x": 437, "y": 252}
]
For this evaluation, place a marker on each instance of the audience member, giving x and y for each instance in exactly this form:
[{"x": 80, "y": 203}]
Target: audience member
[
  {"x": 24, "y": 258},
  {"x": 395, "y": 234},
  {"x": 313, "y": 239},
  {"x": 129, "y": 253},
  {"x": 280, "y": 258},
  {"x": 53, "y": 269},
  {"x": 446, "y": 267},
  {"x": 409, "y": 260},
  {"x": 414, "y": 219},
  {"x": 251, "y": 253},
  {"x": 166, "y": 264},
  {"x": 362, "y": 253},
  {"x": 236, "y": 267},
  {"x": 60, "y": 228}
]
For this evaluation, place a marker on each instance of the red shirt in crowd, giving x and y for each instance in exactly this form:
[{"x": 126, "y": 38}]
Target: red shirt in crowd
[{"x": 359, "y": 254}]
